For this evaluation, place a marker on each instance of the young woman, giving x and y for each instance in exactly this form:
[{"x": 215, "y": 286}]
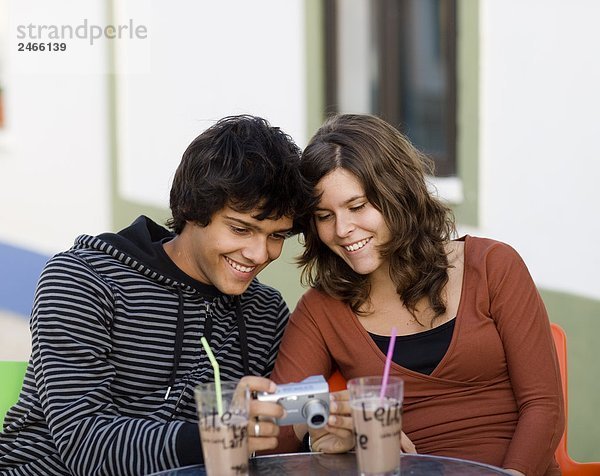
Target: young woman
[{"x": 474, "y": 345}]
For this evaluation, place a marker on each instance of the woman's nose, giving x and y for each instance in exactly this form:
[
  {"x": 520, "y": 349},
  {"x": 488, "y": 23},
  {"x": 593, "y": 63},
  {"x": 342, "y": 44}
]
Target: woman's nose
[{"x": 343, "y": 226}]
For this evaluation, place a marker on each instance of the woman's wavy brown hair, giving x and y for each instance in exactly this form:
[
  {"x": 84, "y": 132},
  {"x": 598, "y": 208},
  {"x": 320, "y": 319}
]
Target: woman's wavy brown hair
[{"x": 392, "y": 172}]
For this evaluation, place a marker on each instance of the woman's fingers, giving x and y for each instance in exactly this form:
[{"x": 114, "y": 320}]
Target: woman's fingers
[
  {"x": 340, "y": 415},
  {"x": 340, "y": 402},
  {"x": 338, "y": 421},
  {"x": 335, "y": 441},
  {"x": 343, "y": 433},
  {"x": 406, "y": 445}
]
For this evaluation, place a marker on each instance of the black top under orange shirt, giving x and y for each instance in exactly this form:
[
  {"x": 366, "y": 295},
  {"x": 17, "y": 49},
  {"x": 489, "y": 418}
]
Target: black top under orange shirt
[{"x": 420, "y": 352}]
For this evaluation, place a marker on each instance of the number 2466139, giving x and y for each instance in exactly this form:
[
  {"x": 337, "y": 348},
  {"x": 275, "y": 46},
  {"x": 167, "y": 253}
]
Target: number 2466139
[{"x": 50, "y": 46}]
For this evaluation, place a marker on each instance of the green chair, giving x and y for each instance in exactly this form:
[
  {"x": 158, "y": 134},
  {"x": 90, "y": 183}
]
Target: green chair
[{"x": 11, "y": 381}]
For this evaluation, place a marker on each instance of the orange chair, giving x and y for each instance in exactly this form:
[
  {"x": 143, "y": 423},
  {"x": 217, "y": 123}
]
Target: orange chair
[
  {"x": 336, "y": 382},
  {"x": 568, "y": 466}
]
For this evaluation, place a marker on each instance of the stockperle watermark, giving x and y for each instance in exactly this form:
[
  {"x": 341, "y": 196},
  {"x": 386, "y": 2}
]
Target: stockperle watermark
[{"x": 56, "y": 37}]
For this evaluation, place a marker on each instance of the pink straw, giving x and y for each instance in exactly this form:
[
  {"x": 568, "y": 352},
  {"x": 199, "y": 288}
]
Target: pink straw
[{"x": 388, "y": 363}]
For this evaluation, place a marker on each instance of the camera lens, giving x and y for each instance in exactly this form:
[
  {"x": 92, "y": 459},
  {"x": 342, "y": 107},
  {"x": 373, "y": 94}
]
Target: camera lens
[
  {"x": 315, "y": 412},
  {"x": 317, "y": 420}
]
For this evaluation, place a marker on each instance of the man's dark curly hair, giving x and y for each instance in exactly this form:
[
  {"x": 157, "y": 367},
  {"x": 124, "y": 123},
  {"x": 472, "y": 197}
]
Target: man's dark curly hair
[{"x": 242, "y": 162}]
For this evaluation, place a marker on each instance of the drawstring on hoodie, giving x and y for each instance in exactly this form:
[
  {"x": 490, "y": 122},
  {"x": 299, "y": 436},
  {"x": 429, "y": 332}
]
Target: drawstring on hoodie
[
  {"x": 243, "y": 336},
  {"x": 208, "y": 323},
  {"x": 178, "y": 342},
  {"x": 241, "y": 323}
]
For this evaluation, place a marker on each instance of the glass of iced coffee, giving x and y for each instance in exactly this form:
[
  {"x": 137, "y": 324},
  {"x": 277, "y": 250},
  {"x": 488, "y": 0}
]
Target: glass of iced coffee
[
  {"x": 377, "y": 418},
  {"x": 223, "y": 421}
]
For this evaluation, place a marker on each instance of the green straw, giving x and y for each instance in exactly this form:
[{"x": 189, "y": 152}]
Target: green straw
[{"x": 215, "y": 367}]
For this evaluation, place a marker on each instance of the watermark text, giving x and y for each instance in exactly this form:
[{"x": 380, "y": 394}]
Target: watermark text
[{"x": 84, "y": 31}]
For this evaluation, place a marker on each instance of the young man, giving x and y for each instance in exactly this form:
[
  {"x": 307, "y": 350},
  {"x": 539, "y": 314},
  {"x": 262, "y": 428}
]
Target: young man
[{"x": 117, "y": 319}]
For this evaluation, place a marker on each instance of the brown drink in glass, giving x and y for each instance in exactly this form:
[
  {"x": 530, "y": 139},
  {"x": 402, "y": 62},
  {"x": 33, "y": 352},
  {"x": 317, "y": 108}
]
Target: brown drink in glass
[
  {"x": 224, "y": 435},
  {"x": 377, "y": 424}
]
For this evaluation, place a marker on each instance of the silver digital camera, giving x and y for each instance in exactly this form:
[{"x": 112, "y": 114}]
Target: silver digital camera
[{"x": 304, "y": 402}]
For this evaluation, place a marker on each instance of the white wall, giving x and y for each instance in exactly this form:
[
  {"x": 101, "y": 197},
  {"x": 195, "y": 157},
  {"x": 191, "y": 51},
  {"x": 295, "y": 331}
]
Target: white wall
[
  {"x": 209, "y": 60},
  {"x": 540, "y": 147},
  {"x": 53, "y": 150}
]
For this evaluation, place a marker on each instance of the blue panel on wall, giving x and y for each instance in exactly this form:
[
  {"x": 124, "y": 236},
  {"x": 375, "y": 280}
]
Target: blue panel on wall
[{"x": 19, "y": 272}]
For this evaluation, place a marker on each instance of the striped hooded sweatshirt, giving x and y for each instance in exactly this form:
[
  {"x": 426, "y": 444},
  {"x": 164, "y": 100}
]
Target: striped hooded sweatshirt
[{"x": 116, "y": 353}]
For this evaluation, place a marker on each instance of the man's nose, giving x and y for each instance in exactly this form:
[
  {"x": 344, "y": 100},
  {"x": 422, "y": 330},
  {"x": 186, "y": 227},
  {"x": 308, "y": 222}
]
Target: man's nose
[{"x": 256, "y": 251}]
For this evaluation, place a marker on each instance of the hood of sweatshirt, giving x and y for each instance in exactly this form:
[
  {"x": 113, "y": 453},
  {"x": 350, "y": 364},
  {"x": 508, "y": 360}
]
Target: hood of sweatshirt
[
  {"x": 140, "y": 247},
  {"x": 142, "y": 242}
]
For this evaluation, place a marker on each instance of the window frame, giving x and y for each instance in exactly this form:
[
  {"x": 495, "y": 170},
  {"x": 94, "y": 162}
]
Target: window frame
[{"x": 387, "y": 14}]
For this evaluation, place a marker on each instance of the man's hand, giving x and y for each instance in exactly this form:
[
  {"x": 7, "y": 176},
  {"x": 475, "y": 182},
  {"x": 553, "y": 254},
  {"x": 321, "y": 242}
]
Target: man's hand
[{"x": 262, "y": 429}]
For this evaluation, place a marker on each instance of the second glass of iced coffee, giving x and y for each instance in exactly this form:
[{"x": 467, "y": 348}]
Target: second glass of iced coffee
[{"x": 377, "y": 417}]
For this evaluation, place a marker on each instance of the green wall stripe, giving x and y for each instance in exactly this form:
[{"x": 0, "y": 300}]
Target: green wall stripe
[
  {"x": 580, "y": 318},
  {"x": 467, "y": 140}
]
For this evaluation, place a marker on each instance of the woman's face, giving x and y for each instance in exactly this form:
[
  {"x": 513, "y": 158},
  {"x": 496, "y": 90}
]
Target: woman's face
[{"x": 348, "y": 224}]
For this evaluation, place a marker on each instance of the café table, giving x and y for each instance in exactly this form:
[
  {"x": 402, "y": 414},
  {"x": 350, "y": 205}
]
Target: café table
[{"x": 345, "y": 464}]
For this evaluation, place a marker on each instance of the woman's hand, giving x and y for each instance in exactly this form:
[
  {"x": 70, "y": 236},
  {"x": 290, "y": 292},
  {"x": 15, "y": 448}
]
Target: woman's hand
[
  {"x": 406, "y": 445},
  {"x": 338, "y": 434},
  {"x": 262, "y": 429}
]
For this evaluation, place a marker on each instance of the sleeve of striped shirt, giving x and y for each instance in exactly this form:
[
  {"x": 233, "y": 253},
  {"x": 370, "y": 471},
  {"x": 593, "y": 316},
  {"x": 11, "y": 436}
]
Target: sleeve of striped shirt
[{"x": 71, "y": 332}]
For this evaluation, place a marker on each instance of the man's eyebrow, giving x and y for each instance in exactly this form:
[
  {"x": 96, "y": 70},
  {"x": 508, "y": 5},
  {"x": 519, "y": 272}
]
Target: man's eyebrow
[{"x": 253, "y": 226}]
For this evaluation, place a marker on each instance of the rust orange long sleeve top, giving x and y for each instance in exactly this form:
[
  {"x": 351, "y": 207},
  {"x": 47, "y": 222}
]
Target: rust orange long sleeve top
[{"x": 495, "y": 397}]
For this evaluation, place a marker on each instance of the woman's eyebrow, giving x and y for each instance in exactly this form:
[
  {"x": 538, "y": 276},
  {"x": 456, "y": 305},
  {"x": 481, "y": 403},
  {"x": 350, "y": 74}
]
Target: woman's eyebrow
[{"x": 346, "y": 202}]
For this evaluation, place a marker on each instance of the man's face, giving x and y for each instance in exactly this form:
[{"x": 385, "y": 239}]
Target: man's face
[{"x": 231, "y": 250}]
